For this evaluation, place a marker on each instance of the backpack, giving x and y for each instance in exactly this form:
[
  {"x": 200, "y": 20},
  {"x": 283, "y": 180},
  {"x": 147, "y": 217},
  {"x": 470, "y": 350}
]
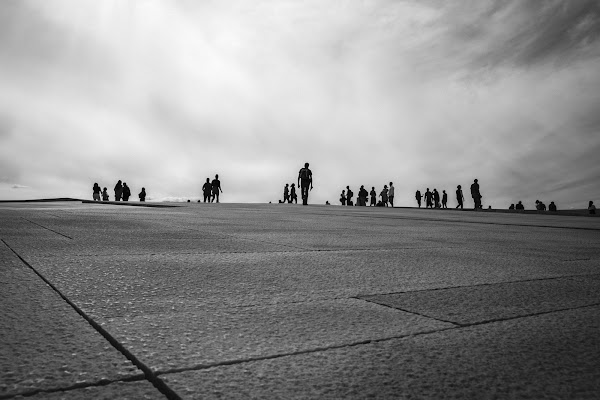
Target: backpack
[{"x": 304, "y": 174}]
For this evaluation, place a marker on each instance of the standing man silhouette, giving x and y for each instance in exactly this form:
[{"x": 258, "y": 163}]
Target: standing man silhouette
[
  {"x": 391, "y": 194},
  {"x": 216, "y": 186},
  {"x": 305, "y": 182},
  {"x": 475, "y": 194},
  {"x": 418, "y": 197}
]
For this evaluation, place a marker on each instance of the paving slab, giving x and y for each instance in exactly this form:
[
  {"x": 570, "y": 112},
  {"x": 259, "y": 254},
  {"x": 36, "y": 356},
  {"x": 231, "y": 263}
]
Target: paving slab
[
  {"x": 554, "y": 356},
  {"x": 132, "y": 285},
  {"x": 478, "y": 304},
  {"x": 264, "y": 301},
  {"x": 182, "y": 340},
  {"x": 117, "y": 390},
  {"x": 44, "y": 343}
]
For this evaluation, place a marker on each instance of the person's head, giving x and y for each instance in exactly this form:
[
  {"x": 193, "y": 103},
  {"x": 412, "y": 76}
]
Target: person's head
[
  {"x": 519, "y": 201},
  {"x": 373, "y": 188},
  {"x": 537, "y": 202},
  {"x": 105, "y": 189},
  {"x": 287, "y": 184},
  {"x": 293, "y": 184},
  {"x": 343, "y": 191},
  {"x": 348, "y": 187},
  {"x": 362, "y": 186},
  {"x": 119, "y": 181},
  {"x": 305, "y": 165},
  {"x": 591, "y": 203},
  {"x": 458, "y": 187},
  {"x": 443, "y": 191},
  {"x": 428, "y": 189},
  {"x": 391, "y": 184},
  {"x": 124, "y": 184},
  {"x": 434, "y": 189},
  {"x": 143, "y": 189},
  {"x": 385, "y": 186},
  {"x": 208, "y": 180},
  {"x": 217, "y": 176},
  {"x": 475, "y": 181}
]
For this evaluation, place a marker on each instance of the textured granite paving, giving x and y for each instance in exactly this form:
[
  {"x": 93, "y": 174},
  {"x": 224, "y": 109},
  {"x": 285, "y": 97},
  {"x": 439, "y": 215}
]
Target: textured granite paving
[{"x": 284, "y": 301}]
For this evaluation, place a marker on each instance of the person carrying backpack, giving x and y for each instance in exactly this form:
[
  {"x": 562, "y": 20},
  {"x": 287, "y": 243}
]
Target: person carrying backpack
[{"x": 305, "y": 182}]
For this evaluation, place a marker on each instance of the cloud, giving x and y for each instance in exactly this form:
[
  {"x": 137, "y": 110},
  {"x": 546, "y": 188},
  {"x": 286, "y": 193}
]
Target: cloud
[{"x": 163, "y": 94}]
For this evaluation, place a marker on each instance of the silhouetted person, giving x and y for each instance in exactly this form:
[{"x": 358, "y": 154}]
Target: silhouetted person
[
  {"x": 343, "y": 198},
  {"x": 519, "y": 206},
  {"x": 293, "y": 195},
  {"x": 475, "y": 194},
  {"x": 105, "y": 194},
  {"x": 444, "y": 199},
  {"x": 286, "y": 193},
  {"x": 384, "y": 195},
  {"x": 349, "y": 195},
  {"x": 418, "y": 197},
  {"x": 391, "y": 194},
  {"x": 216, "y": 187},
  {"x": 327, "y": 202},
  {"x": 540, "y": 206},
  {"x": 118, "y": 190},
  {"x": 207, "y": 190},
  {"x": 428, "y": 199},
  {"x": 126, "y": 192},
  {"x": 459, "y": 197},
  {"x": 373, "y": 194},
  {"x": 362, "y": 195},
  {"x": 512, "y": 206},
  {"x": 305, "y": 182},
  {"x": 591, "y": 207},
  {"x": 96, "y": 192},
  {"x": 551, "y": 206},
  {"x": 436, "y": 198},
  {"x": 142, "y": 195}
]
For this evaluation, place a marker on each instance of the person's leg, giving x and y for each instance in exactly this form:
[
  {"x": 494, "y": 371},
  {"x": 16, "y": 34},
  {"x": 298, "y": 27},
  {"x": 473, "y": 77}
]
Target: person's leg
[{"x": 391, "y": 201}]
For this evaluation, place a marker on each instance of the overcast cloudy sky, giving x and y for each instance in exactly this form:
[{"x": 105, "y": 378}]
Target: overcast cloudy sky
[{"x": 164, "y": 94}]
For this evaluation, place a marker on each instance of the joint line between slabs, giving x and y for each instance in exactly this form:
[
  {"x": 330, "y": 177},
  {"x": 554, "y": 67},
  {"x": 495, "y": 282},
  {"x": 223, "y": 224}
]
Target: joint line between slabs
[
  {"x": 51, "y": 230},
  {"x": 76, "y": 386},
  {"x": 456, "y": 324},
  {"x": 478, "y": 285},
  {"x": 357, "y": 343},
  {"x": 148, "y": 373}
]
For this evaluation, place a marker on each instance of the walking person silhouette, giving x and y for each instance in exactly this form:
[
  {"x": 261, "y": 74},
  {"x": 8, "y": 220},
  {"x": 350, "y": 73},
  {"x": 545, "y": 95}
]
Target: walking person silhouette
[
  {"x": 428, "y": 199},
  {"x": 305, "y": 182},
  {"x": 216, "y": 187},
  {"x": 459, "y": 197},
  {"x": 293, "y": 196},
  {"x": 286, "y": 193}
]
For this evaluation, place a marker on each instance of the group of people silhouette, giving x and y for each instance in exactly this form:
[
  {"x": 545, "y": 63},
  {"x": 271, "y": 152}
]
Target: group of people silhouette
[
  {"x": 122, "y": 191},
  {"x": 434, "y": 200},
  {"x": 386, "y": 194},
  {"x": 211, "y": 190},
  {"x": 305, "y": 183}
]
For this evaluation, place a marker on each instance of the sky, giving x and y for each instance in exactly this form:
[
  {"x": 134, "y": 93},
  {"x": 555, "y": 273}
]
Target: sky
[{"x": 428, "y": 94}]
